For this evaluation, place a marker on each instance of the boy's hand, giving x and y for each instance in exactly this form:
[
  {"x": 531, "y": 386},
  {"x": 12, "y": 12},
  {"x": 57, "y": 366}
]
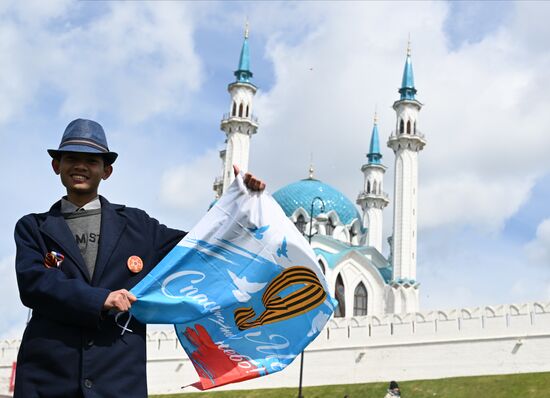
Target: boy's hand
[
  {"x": 120, "y": 300},
  {"x": 251, "y": 182}
]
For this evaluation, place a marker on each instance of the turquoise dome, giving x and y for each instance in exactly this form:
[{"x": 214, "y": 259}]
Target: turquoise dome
[{"x": 301, "y": 194}]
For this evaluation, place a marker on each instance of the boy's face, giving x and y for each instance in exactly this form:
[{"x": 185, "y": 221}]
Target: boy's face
[{"x": 81, "y": 173}]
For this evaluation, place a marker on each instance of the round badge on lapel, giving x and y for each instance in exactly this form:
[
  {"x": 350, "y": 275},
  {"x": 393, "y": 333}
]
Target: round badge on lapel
[
  {"x": 53, "y": 259},
  {"x": 135, "y": 264},
  {"x": 50, "y": 261}
]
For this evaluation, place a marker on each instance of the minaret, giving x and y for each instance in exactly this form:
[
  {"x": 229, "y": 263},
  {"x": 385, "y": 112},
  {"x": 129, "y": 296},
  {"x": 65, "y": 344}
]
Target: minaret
[
  {"x": 239, "y": 124},
  {"x": 373, "y": 199},
  {"x": 406, "y": 141}
]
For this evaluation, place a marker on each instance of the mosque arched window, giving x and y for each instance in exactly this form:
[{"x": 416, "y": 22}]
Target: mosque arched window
[
  {"x": 408, "y": 127},
  {"x": 368, "y": 186},
  {"x": 330, "y": 227},
  {"x": 301, "y": 224},
  {"x": 352, "y": 235},
  {"x": 234, "y": 111},
  {"x": 247, "y": 111},
  {"x": 401, "y": 127},
  {"x": 374, "y": 187},
  {"x": 415, "y": 126},
  {"x": 322, "y": 267},
  {"x": 360, "y": 300},
  {"x": 241, "y": 110},
  {"x": 340, "y": 291}
]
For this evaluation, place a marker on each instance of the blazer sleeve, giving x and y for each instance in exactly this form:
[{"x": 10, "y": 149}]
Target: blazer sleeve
[
  {"x": 48, "y": 290},
  {"x": 165, "y": 239}
]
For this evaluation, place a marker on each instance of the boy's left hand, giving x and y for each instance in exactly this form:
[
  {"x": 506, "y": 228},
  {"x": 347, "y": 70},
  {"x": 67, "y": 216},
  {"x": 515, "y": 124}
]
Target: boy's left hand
[{"x": 251, "y": 182}]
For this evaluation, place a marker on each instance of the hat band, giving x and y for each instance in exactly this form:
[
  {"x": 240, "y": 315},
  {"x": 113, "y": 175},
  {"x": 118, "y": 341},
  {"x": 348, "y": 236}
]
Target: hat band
[{"x": 84, "y": 142}]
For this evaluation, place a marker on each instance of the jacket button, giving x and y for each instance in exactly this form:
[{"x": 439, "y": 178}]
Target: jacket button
[{"x": 88, "y": 383}]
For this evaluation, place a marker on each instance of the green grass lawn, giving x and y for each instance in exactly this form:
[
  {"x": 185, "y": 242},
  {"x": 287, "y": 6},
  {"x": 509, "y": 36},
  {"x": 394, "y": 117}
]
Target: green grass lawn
[{"x": 535, "y": 385}]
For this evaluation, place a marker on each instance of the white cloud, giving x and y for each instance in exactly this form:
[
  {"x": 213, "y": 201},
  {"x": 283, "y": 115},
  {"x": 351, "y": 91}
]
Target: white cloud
[
  {"x": 136, "y": 60},
  {"x": 187, "y": 187},
  {"x": 468, "y": 267},
  {"x": 538, "y": 250},
  {"x": 34, "y": 12},
  {"x": 472, "y": 199},
  {"x": 485, "y": 113}
]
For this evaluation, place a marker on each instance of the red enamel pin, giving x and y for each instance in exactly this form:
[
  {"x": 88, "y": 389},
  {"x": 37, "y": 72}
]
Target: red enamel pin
[
  {"x": 135, "y": 264},
  {"x": 53, "y": 259}
]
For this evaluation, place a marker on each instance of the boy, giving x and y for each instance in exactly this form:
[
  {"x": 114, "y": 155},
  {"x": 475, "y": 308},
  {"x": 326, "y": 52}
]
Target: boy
[{"x": 75, "y": 265}]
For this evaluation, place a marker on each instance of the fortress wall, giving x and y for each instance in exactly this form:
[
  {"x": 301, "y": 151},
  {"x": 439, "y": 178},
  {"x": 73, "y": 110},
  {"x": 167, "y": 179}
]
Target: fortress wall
[{"x": 426, "y": 345}]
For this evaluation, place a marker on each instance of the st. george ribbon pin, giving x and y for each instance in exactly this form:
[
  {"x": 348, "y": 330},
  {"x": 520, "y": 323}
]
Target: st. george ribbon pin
[
  {"x": 135, "y": 264},
  {"x": 53, "y": 259}
]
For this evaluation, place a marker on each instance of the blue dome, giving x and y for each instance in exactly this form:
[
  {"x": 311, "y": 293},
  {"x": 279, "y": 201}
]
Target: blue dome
[{"x": 301, "y": 194}]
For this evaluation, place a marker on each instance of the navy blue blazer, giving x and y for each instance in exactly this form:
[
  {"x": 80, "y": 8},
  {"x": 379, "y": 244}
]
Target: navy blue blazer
[{"x": 71, "y": 348}]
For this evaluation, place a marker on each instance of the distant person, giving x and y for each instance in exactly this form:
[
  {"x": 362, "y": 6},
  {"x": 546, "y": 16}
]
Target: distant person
[{"x": 393, "y": 390}]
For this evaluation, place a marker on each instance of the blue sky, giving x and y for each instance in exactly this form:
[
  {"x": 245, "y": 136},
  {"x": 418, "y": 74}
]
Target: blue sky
[{"x": 155, "y": 75}]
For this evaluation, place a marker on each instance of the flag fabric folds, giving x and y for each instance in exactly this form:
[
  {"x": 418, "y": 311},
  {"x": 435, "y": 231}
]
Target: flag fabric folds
[{"x": 243, "y": 289}]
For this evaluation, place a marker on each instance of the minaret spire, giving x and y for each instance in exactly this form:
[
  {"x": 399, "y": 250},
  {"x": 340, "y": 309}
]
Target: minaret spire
[
  {"x": 239, "y": 124},
  {"x": 407, "y": 89},
  {"x": 374, "y": 154},
  {"x": 243, "y": 73}
]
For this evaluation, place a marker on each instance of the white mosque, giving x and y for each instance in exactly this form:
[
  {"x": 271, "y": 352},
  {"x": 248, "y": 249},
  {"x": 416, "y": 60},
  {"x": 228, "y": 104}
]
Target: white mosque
[{"x": 348, "y": 242}]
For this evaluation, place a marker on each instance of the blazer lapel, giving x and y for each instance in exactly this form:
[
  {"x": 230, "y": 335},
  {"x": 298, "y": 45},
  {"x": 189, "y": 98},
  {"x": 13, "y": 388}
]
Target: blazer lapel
[
  {"x": 56, "y": 228},
  {"x": 112, "y": 226}
]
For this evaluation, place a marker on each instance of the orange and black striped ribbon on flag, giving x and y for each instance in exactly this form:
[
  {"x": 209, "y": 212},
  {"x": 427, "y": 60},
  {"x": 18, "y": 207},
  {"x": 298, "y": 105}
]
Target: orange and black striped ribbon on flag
[{"x": 278, "y": 308}]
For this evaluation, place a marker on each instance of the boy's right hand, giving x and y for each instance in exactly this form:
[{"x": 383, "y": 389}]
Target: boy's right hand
[{"x": 120, "y": 300}]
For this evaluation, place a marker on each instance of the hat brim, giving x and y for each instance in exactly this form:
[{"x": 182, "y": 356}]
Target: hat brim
[{"x": 109, "y": 157}]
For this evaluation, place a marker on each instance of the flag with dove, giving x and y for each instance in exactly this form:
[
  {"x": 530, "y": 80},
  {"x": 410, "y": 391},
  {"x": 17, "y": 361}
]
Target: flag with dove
[{"x": 243, "y": 289}]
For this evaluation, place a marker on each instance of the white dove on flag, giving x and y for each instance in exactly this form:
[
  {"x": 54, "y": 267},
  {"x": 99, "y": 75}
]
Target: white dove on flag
[{"x": 244, "y": 287}]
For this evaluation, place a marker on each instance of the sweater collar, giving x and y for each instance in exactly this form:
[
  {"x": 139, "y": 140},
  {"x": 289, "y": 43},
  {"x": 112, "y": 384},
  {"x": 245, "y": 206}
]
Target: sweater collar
[{"x": 68, "y": 207}]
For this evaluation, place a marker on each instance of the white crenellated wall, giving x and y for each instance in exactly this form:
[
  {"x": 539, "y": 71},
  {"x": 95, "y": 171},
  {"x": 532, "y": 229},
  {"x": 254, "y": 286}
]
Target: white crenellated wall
[{"x": 488, "y": 340}]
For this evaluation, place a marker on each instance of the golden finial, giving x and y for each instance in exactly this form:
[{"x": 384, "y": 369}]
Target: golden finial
[
  {"x": 311, "y": 170},
  {"x": 246, "y": 30},
  {"x": 375, "y": 114},
  {"x": 409, "y": 46}
]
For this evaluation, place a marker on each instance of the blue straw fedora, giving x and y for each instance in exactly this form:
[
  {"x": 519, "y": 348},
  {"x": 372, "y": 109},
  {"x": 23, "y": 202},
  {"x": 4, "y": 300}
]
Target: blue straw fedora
[{"x": 82, "y": 135}]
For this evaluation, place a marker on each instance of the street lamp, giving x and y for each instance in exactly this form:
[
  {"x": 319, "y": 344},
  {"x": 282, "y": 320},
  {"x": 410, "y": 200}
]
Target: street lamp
[{"x": 310, "y": 235}]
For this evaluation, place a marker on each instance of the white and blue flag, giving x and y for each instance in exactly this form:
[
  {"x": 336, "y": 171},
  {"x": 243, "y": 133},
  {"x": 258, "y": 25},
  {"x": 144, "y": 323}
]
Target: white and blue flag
[{"x": 243, "y": 289}]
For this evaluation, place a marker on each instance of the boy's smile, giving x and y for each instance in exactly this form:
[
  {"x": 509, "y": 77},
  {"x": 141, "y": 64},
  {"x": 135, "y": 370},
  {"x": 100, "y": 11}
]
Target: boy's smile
[{"x": 81, "y": 174}]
